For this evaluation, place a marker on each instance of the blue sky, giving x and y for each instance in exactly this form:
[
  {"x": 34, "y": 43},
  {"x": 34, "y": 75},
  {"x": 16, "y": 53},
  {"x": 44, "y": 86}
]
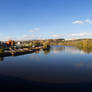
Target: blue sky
[{"x": 44, "y": 19}]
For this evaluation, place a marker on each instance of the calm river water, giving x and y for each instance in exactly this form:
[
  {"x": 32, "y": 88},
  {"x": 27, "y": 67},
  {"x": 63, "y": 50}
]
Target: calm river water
[{"x": 60, "y": 64}]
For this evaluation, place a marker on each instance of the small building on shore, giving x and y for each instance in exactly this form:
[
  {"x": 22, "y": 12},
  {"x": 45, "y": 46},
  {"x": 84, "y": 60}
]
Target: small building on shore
[
  {"x": 2, "y": 44},
  {"x": 10, "y": 43}
]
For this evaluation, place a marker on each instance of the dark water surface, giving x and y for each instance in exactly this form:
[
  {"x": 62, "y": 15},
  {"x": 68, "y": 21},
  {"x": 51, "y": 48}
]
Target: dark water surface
[{"x": 60, "y": 67}]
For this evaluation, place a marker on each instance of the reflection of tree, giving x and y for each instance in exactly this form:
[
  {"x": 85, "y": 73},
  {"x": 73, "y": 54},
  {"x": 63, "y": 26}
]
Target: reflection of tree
[
  {"x": 37, "y": 51},
  {"x": 1, "y": 58},
  {"x": 86, "y": 49},
  {"x": 86, "y": 46},
  {"x": 46, "y": 52}
]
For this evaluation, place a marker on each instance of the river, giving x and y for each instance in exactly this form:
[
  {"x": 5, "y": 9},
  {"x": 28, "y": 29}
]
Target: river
[{"x": 59, "y": 65}]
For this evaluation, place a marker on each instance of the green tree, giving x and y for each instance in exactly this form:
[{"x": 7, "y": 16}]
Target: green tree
[
  {"x": 85, "y": 43},
  {"x": 30, "y": 44}
]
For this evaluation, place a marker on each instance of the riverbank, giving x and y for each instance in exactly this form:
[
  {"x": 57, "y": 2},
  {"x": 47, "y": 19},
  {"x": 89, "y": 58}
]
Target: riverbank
[
  {"x": 22, "y": 51},
  {"x": 18, "y": 52}
]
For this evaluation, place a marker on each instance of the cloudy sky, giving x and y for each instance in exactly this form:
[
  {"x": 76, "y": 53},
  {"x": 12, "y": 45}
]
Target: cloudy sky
[{"x": 44, "y": 19}]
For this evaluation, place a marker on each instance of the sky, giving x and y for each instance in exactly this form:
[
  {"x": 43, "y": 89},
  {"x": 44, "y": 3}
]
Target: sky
[{"x": 45, "y": 19}]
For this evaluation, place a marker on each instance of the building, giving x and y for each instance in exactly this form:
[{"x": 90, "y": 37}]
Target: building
[{"x": 10, "y": 43}]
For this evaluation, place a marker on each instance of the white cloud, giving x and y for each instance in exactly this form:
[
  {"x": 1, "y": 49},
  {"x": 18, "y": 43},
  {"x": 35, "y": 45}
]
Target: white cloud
[
  {"x": 6, "y": 38},
  {"x": 32, "y": 37},
  {"x": 71, "y": 35},
  {"x": 89, "y": 21},
  {"x": 28, "y": 37},
  {"x": 49, "y": 36},
  {"x": 52, "y": 32},
  {"x": 78, "y": 22},
  {"x": 35, "y": 30},
  {"x": 57, "y": 36},
  {"x": 81, "y": 34}
]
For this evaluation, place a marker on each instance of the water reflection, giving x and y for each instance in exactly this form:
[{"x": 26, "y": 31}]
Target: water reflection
[
  {"x": 57, "y": 49},
  {"x": 74, "y": 50},
  {"x": 83, "y": 65},
  {"x": 1, "y": 59},
  {"x": 60, "y": 64},
  {"x": 85, "y": 49},
  {"x": 46, "y": 52},
  {"x": 37, "y": 51},
  {"x": 66, "y": 49}
]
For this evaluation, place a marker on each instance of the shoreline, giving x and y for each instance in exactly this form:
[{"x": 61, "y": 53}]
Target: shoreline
[
  {"x": 21, "y": 51},
  {"x": 18, "y": 52}
]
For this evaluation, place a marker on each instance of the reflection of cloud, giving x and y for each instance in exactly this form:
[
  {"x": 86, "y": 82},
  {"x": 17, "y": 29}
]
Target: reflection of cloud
[
  {"x": 58, "y": 50},
  {"x": 68, "y": 49},
  {"x": 35, "y": 57},
  {"x": 73, "y": 50},
  {"x": 77, "y": 52},
  {"x": 83, "y": 64}
]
